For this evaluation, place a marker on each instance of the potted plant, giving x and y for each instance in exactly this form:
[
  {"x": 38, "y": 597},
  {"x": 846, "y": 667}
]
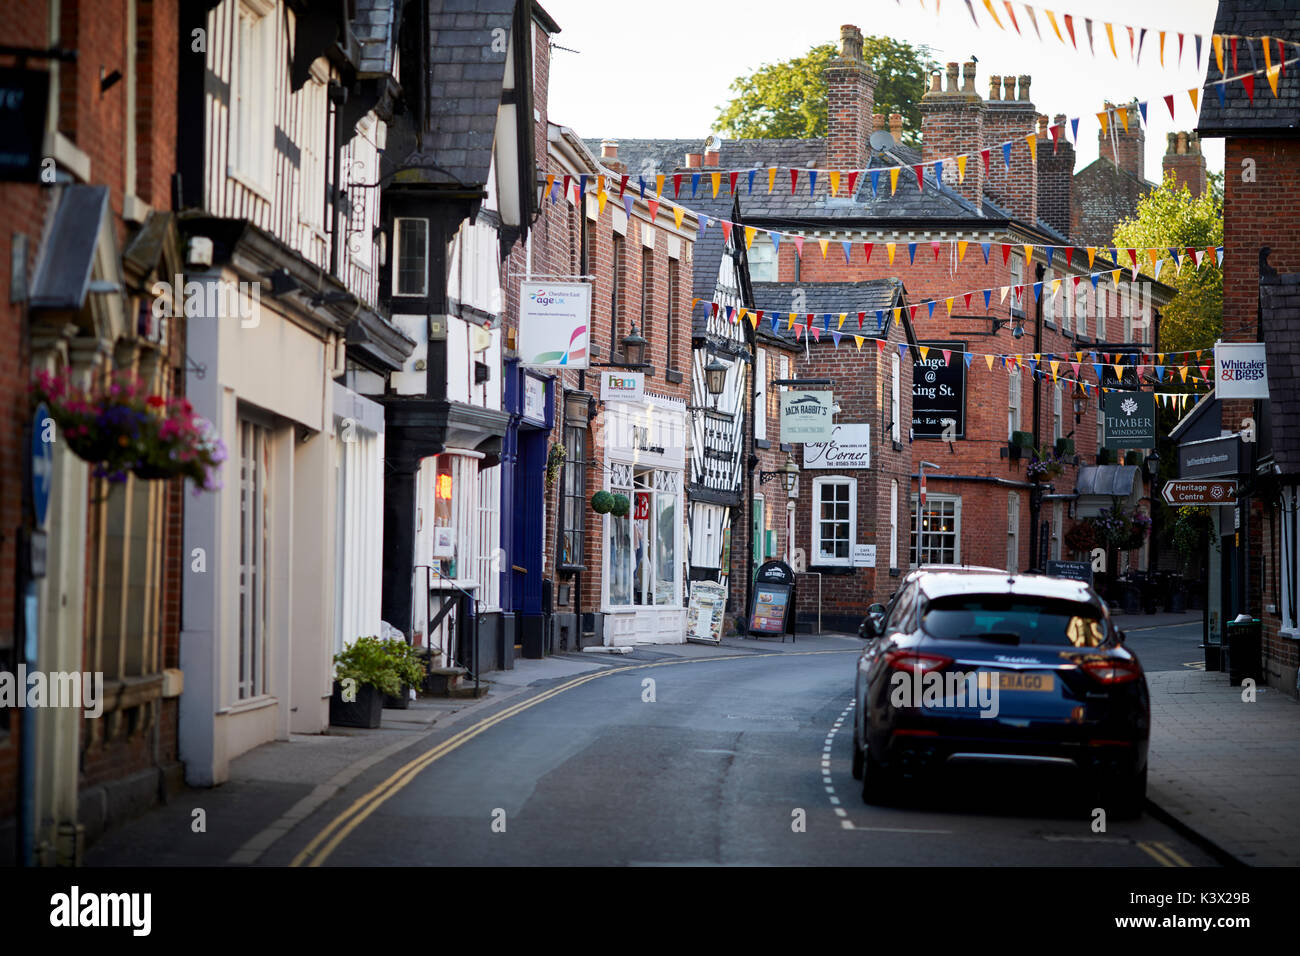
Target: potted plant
[
  {"x": 622, "y": 506},
  {"x": 121, "y": 428},
  {"x": 1019, "y": 443},
  {"x": 410, "y": 666},
  {"x": 366, "y": 671},
  {"x": 602, "y": 502},
  {"x": 1044, "y": 465}
]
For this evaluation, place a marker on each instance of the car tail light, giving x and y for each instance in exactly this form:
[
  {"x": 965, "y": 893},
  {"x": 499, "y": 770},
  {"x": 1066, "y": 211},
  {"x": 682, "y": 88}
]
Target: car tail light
[
  {"x": 913, "y": 661},
  {"x": 1113, "y": 671}
]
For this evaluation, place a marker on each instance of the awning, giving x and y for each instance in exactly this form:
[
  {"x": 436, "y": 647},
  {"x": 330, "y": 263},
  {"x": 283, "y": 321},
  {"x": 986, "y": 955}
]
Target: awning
[{"x": 1100, "y": 485}]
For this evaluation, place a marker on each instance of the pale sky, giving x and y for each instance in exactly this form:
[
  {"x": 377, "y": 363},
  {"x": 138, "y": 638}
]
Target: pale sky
[{"x": 661, "y": 70}]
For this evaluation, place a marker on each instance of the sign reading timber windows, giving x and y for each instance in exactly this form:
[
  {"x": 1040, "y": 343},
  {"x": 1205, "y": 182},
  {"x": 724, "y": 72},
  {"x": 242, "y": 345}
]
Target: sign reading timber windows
[
  {"x": 806, "y": 416},
  {"x": 848, "y": 447},
  {"x": 1130, "y": 420},
  {"x": 554, "y": 324},
  {"x": 939, "y": 390},
  {"x": 1240, "y": 370}
]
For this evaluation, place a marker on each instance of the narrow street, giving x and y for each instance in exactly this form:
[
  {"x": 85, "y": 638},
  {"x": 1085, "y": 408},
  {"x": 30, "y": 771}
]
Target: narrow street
[{"x": 711, "y": 772}]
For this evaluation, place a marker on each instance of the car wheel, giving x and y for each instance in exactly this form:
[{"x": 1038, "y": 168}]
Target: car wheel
[
  {"x": 878, "y": 784},
  {"x": 857, "y": 753},
  {"x": 1126, "y": 798}
]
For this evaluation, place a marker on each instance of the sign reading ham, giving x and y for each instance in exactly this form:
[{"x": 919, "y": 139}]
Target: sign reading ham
[{"x": 848, "y": 447}]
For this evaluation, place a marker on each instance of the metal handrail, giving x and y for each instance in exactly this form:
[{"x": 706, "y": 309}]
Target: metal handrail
[{"x": 454, "y": 659}]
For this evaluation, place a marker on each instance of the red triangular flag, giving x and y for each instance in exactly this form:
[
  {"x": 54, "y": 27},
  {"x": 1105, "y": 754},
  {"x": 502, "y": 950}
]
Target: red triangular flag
[
  {"x": 853, "y": 182},
  {"x": 734, "y": 174},
  {"x": 1006, "y": 253},
  {"x": 984, "y": 155},
  {"x": 1169, "y": 102},
  {"x": 726, "y": 231},
  {"x": 935, "y": 246},
  {"x": 622, "y": 186},
  {"x": 677, "y": 185},
  {"x": 912, "y": 310},
  {"x": 794, "y": 180},
  {"x": 1248, "y": 81},
  {"x": 1069, "y": 254},
  {"x": 920, "y": 183},
  {"x": 866, "y": 247},
  {"x": 967, "y": 297},
  {"x": 861, "y": 315},
  {"x": 947, "y": 354}
]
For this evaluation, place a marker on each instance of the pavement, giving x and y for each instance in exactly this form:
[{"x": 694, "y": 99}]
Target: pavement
[{"x": 1224, "y": 771}]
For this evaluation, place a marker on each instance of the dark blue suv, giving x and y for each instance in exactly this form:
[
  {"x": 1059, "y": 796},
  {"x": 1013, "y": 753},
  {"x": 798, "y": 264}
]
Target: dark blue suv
[{"x": 994, "y": 669}]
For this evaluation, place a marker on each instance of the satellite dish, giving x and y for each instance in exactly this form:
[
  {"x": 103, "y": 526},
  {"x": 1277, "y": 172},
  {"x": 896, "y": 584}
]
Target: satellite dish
[{"x": 881, "y": 140}]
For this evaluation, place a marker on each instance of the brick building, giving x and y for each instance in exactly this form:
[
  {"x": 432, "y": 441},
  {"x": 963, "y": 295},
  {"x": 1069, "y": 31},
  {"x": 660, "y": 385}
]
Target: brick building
[
  {"x": 1261, "y": 279},
  {"x": 89, "y": 233}
]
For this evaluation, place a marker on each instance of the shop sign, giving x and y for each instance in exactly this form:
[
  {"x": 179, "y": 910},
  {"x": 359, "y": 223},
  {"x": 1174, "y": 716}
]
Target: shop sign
[
  {"x": 1240, "y": 370},
  {"x": 849, "y": 446},
  {"x": 806, "y": 416},
  {"x": 1130, "y": 420},
  {"x": 554, "y": 324}
]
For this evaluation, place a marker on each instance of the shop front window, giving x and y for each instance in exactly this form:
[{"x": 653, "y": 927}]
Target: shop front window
[{"x": 643, "y": 544}]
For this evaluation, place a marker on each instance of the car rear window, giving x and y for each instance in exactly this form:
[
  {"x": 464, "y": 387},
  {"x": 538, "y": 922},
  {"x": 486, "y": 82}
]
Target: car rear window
[{"x": 997, "y": 617}]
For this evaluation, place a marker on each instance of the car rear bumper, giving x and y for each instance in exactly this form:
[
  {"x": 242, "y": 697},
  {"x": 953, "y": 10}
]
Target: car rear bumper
[{"x": 915, "y": 754}]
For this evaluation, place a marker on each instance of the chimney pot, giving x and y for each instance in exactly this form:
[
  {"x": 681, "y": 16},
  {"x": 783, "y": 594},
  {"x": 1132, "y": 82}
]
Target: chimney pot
[
  {"x": 953, "y": 69},
  {"x": 711, "y": 157},
  {"x": 850, "y": 43},
  {"x": 1009, "y": 88},
  {"x": 1058, "y": 119},
  {"x": 878, "y": 121},
  {"x": 896, "y": 126},
  {"x": 1024, "y": 87},
  {"x": 609, "y": 149},
  {"x": 968, "y": 77},
  {"x": 995, "y": 87},
  {"x": 936, "y": 82},
  {"x": 693, "y": 160}
]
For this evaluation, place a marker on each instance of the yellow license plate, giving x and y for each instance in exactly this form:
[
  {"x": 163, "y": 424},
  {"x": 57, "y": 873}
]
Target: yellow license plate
[{"x": 1019, "y": 681}]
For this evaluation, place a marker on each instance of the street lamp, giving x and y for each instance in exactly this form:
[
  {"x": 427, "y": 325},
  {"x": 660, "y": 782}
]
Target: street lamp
[
  {"x": 789, "y": 472},
  {"x": 1152, "y": 464},
  {"x": 633, "y": 348},
  {"x": 715, "y": 376},
  {"x": 920, "y": 504}
]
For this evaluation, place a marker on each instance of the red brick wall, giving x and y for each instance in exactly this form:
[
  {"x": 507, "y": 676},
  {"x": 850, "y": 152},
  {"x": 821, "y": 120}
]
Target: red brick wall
[
  {"x": 1056, "y": 179},
  {"x": 850, "y": 101},
  {"x": 1015, "y": 188}
]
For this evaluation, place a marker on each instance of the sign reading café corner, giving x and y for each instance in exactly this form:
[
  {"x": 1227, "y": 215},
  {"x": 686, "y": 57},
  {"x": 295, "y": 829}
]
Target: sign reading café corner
[
  {"x": 1240, "y": 370},
  {"x": 1130, "y": 420},
  {"x": 848, "y": 447},
  {"x": 806, "y": 416}
]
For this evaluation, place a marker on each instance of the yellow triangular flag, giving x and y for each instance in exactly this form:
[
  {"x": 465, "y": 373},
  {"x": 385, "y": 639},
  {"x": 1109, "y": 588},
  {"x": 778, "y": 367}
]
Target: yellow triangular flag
[
  {"x": 1123, "y": 117},
  {"x": 1272, "y": 74},
  {"x": 1051, "y": 18},
  {"x": 659, "y": 184},
  {"x": 1153, "y": 255},
  {"x": 1183, "y": 371},
  {"x": 893, "y": 180},
  {"x": 1092, "y": 254},
  {"x": 1194, "y": 93},
  {"x": 741, "y": 316},
  {"x": 858, "y": 340},
  {"x": 924, "y": 350},
  {"x": 717, "y": 181},
  {"x": 1029, "y": 253},
  {"x": 1056, "y": 363},
  {"x": 988, "y": 359},
  {"x": 835, "y": 182},
  {"x": 1268, "y": 56},
  {"x": 1162, "y": 47},
  {"x": 600, "y": 202},
  {"x": 823, "y": 243},
  {"x": 600, "y": 185},
  {"x": 550, "y": 183},
  {"x": 1056, "y": 286},
  {"x": 961, "y": 249},
  {"x": 1105, "y": 125},
  {"x": 678, "y": 213},
  {"x": 961, "y": 168},
  {"x": 1119, "y": 372},
  {"x": 1114, "y": 276},
  {"x": 1218, "y": 51},
  {"x": 1160, "y": 358},
  {"x": 790, "y": 322},
  {"x": 771, "y": 177},
  {"x": 1032, "y": 140},
  {"x": 948, "y": 302},
  {"x": 843, "y": 316},
  {"x": 898, "y": 313},
  {"x": 1110, "y": 35},
  {"x": 889, "y": 247},
  {"x": 749, "y": 236},
  {"x": 753, "y": 319},
  {"x": 988, "y": 4}
]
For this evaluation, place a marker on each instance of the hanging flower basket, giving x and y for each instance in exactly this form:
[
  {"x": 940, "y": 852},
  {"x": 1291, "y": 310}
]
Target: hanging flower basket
[
  {"x": 602, "y": 502},
  {"x": 622, "y": 505},
  {"x": 1044, "y": 465},
  {"x": 121, "y": 429}
]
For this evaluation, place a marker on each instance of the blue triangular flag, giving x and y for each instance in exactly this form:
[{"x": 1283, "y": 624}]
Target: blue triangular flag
[
  {"x": 751, "y": 179},
  {"x": 695, "y": 183},
  {"x": 1093, "y": 277},
  {"x": 938, "y": 172},
  {"x": 969, "y": 356},
  {"x": 776, "y": 240},
  {"x": 988, "y": 294},
  {"x": 985, "y": 246},
  {"x": 641, "y": 180},
  {"x": 1074, "y": 128},
  {"x": 704, "y": 222},
  {"x": 774, "y": 321},
  {"x": 1033, "y": 366},
  {"x": 1038, "y": 290},
  {"x": 1218, "y": 88},
  {"x": 1006, "y": 155},
  {"x": 826, "y": 321},
  {"x": 1160, "y": 373},
  {"x": 628, "y": 199},
  {"x": 1198, "y": 49},
  {"x": 1142, "y": 107},
  {"x": 1173, "y": 254},
  {"x": 1218, "y": 251},
  {"x": 1051, "y": 250},
  {"x": 911, "y": 253},
  {"x": 1142, "y": 36},
  {"x": 931, "y": 303},
  {"x": 875, "y": 182},
  {"x": 582, "y": 187},
  {"x": 880, "y": 319},
  {"x": 812, "y": 181},
  {"x": 836, "y": 335},
  {"x": 902, "y": 350}
]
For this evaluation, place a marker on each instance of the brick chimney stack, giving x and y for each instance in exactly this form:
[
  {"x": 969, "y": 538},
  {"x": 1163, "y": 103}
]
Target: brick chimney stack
[
  {"x": 850, "y": 98},
  {"x": 952, "y": 123},
  {"x": 1183, "y": 158},
  {"x": 1055, "y": 174},
  {"x": 1012, "y": 118},
  {"x": 1125, "y": 150}
]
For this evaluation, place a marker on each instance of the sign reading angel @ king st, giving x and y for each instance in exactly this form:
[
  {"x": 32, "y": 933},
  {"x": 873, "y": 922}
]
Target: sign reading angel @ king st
[{"x": 554, "y": 324}]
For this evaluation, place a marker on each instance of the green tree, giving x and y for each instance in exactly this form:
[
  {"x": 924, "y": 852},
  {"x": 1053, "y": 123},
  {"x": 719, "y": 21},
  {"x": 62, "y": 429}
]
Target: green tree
[
  {"x": 787, "y": 100},
  {"x": 1171, "y": 216}
]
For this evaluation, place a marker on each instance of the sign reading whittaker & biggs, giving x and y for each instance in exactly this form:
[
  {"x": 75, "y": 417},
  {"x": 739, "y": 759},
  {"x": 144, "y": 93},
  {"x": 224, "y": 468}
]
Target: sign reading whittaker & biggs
[
  {"x": 848, "y": 447},
  {"x": 939, "y": 390},
  {"x": 1240, "y": 370},
  {"x": 806, "y": 416},
  {"x": 1130, "y": 420}
]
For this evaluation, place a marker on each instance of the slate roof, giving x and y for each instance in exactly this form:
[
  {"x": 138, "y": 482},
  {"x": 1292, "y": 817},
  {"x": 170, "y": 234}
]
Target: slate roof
[
  {"x": 1280, "y": 302},
  {"x": 1253, "y": 18},
  {"x": 822, "y": 298},
  {"x": 375, "y": 26},
  {"x": 467, "y": 71}
]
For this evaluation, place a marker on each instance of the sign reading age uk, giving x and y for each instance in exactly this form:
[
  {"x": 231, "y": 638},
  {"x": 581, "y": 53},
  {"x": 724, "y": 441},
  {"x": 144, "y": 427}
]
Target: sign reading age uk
[
  {"x": 1130, "y": 420},
  {"x": 806, "y": 416},
  {"x": 554, "y": 324}
]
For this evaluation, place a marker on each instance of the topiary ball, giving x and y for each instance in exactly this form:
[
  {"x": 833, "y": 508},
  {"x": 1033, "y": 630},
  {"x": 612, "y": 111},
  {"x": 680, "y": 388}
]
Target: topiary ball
[
  {"x": 621, "y": 506},
  {"x": 602, "y": 502}
]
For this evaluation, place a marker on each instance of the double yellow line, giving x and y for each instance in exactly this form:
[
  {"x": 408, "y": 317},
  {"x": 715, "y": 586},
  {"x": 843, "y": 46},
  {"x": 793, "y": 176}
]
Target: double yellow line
[
  {"x": 1162, "y": 854},
  {"x": 327, "y": 841}
]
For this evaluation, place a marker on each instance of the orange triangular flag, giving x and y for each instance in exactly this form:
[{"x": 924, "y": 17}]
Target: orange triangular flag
[
  {"x": 961, "y": 168},
  {"x": 1032, "y": 140},
  {"x": 1194, "y": 93}
]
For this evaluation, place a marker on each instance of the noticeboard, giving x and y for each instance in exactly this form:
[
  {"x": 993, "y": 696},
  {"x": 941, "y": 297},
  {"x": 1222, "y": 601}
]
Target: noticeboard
[
  {"x": 1070, "y": 570},
  {"x": 704, "y": 614},
  {"x": 939, "y": 391},
  {"x": 770, "y": 610}
]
